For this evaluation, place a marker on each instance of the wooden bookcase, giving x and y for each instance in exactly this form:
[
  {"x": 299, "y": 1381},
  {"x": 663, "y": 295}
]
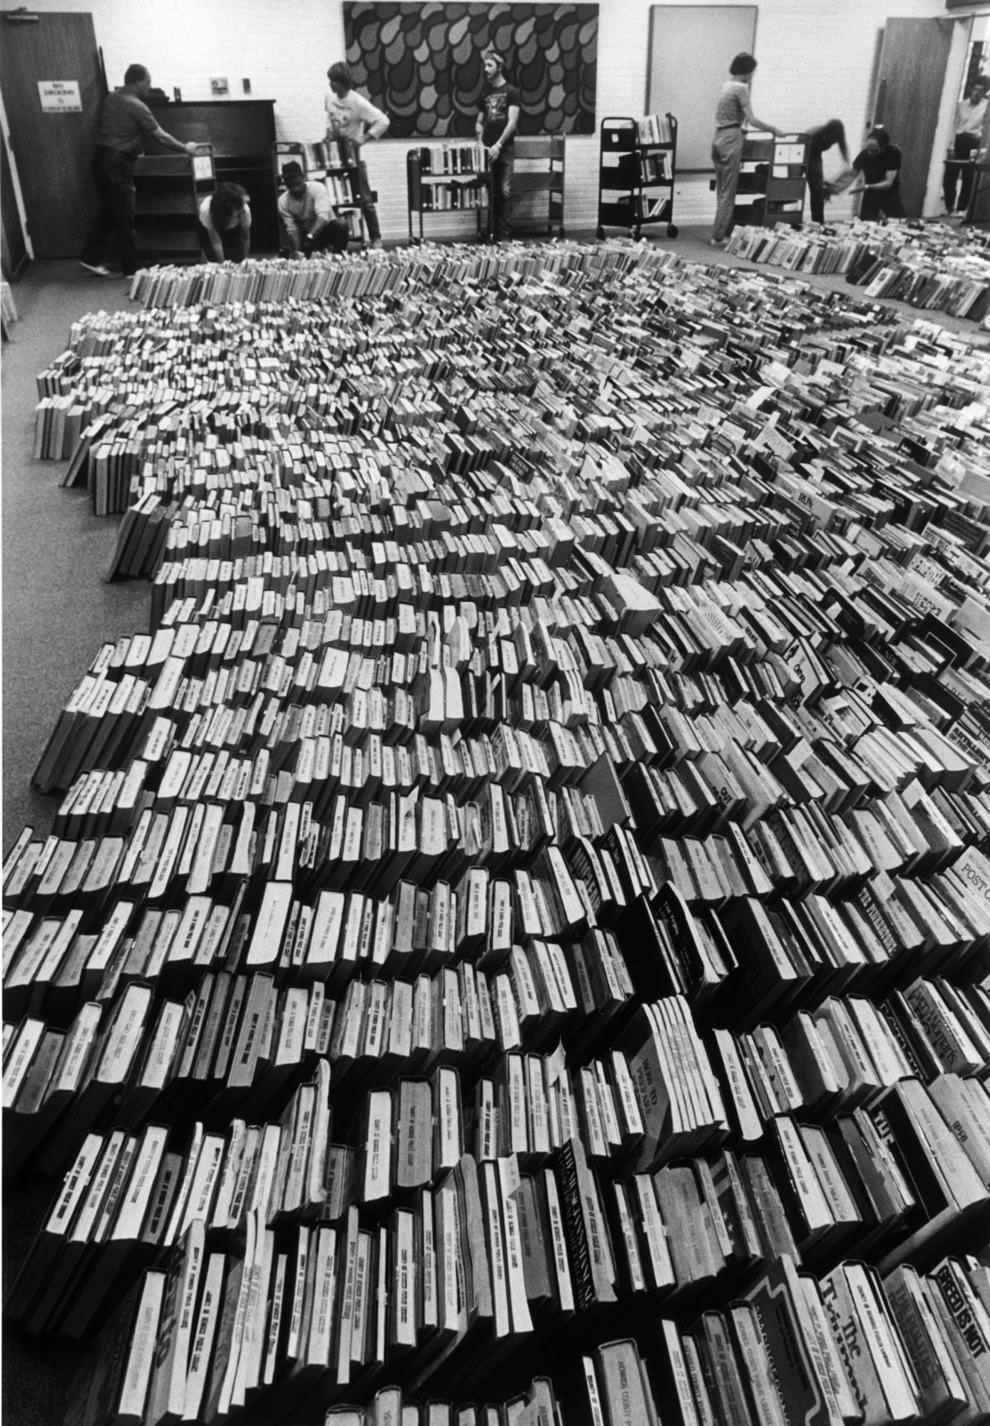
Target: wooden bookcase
[
  {"x": 168, "y": 191},
  {"x": 772, "y": 180},
  {"x": 636, "y": 177},
  {"x": 445, "y": 179},
  {"x": 242, "y": 135}
]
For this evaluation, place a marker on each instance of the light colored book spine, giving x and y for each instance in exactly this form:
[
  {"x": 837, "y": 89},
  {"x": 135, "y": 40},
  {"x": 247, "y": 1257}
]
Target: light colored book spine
[{"x": 141, "y": 1357}]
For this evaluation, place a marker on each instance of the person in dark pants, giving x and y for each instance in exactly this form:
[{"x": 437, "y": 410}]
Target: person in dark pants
[
  {"x": 828, "y": 135},
  {"x": 225, "y": 223},
  {"x": 495, "y": 127},
  {"x": 733, "y": 113},
  {"x": 878, "y": 166},
  {"x": 971, "y": 118},
  {"x": 351, "y": 121},
  {"x": 125, "y": 123}
]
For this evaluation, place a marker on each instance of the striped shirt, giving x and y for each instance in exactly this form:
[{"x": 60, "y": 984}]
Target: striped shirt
[{"x": 733, "y": 101}]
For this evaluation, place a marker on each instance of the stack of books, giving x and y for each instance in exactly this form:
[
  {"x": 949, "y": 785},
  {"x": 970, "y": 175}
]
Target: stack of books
[
  {"x": 654, "y": 129},
  {"x": 931, "y": 265},
  {"x": 452, "y": 159},
  {"x": 533, "y": 868}
]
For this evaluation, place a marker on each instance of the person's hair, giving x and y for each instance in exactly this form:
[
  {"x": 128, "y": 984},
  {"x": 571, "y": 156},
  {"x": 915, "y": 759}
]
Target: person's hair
[
  {"x": 879, "y": 133},
  {"x": 742, "y": 64},
  {"x": 340, "y": 73},
  {"x": 136, "y": 74},
  {"x": 490, "y": 52},
  {"x": 228, "y": 199},
  {"x": 292, "y": 171},
  {"x": 980, "y": 84},
  {"x": 834, "y": 132}
]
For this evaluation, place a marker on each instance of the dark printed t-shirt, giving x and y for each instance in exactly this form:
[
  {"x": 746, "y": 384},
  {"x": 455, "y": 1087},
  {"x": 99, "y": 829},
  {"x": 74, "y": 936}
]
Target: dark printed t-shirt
[
  {"x": 495, "y": 108},
  {"x": 124, "y": 124}
]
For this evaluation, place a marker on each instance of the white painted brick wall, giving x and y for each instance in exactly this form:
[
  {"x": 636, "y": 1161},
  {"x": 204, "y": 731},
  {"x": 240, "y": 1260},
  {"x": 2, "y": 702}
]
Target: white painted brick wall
[{"x": 816, "y": 60}]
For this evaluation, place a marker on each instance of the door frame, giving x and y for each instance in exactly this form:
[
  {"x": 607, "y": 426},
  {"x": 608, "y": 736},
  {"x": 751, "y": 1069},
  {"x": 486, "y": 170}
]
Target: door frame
[
  {"x": 53, "y": 223},
  {"x": 915, "y": 194},
  {"x": 14, "y": 222},
  {"x": 955, "y": 69}
]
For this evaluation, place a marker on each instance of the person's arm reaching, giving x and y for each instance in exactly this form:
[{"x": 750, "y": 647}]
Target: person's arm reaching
[
  {"x": 290, "y": 226},
  {"x": 881, "y": 186},
  {"x": 212, "y": 236},
  {"x": 752, "y": 122},
  {"x": 160, "y": 137},
  {"x": 324, "y": 211},
  {"x": 888, "y": 181}
]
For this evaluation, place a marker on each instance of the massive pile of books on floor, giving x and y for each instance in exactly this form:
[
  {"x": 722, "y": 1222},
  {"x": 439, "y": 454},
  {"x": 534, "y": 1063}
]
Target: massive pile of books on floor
[
  {"x": 929, "y": 265},
  {"x": 360, "y": 275},
  {"x": 512, "y": 942}
]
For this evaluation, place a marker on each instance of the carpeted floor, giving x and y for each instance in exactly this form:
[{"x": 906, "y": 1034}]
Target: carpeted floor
[{"x": 57, "y": 609}]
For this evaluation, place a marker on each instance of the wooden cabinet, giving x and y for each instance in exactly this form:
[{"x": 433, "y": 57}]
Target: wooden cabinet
[{"x": 242, "y": 134}]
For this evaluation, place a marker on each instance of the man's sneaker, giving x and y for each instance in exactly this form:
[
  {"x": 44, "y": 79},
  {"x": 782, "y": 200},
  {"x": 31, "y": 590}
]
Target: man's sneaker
[{"x": 98, "y": 269}]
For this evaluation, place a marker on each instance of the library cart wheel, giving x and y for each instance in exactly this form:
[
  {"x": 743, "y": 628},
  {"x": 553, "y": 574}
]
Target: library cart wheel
[{"x": 672, "y": 230}]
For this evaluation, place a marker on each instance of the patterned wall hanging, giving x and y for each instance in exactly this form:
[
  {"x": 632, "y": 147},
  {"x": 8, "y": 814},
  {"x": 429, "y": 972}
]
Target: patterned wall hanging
[{"x": 421, "y": 63}]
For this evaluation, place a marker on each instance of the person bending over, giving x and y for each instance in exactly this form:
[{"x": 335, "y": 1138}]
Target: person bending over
[
  {"x": 225, "y": 224},
  {"x": 732, "y": 114},
  {"x": 831, "y": 134},
  {"x": 306, "y": 216}
]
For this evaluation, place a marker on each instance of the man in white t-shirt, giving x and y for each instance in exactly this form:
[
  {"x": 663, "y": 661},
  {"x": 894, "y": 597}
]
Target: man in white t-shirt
[
  {"x": 351, "y": 121},
  {"x": 307, "y": 217}
]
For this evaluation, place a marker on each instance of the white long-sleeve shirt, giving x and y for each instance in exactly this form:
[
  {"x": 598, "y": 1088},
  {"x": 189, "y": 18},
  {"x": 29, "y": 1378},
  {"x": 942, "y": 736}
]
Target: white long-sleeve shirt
[{"x": 352, "y": 117}]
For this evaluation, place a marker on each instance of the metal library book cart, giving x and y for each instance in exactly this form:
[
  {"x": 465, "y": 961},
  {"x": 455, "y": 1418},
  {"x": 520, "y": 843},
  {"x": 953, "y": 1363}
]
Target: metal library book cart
[
  {"x": 772, "y": 180},
  {"x": 168, "y": 189},
  {"x": 446, "y": 178},
  {"x": 637, "y": 167},
  {"x": 453, "y": 177}
]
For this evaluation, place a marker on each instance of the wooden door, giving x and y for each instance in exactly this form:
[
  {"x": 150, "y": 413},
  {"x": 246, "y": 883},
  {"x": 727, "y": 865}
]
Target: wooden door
[
  {"x": 52, "y": 84},
  {"x": 910, "y": 77}
]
